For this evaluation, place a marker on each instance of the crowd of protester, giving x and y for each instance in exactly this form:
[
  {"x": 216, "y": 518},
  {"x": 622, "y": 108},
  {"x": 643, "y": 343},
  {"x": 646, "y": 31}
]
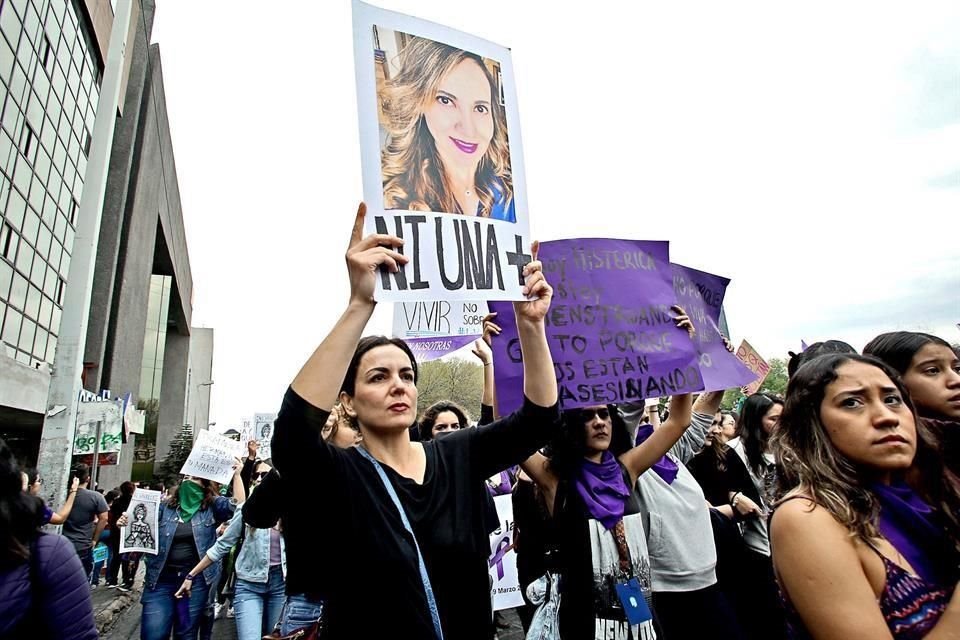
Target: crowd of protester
[{"x": 831, "y": 512}]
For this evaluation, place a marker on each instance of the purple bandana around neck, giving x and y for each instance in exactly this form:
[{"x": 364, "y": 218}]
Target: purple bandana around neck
[
  {"x": 603, "y": 490},
  {"x": 910, "y": 525},
  {"x": 664, "y": 467}
]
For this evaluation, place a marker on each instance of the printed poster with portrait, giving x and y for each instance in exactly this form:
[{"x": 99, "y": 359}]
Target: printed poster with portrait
[
  {"x": 263, "y": 433},
  {"x": 140, "y": 534},
  {"x": 441, "y": 157}
]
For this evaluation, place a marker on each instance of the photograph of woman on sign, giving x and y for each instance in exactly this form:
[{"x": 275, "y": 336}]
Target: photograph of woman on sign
[{"x": 443, "y": 129}]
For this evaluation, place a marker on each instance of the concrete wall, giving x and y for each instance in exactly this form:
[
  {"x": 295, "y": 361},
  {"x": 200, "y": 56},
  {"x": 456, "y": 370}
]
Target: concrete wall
[
  {"x": 100, "y": 15},
  {"x": 201, "y": 370},
  {"x": 24, "y": 388},
  {"x": 173, "y": 393}
]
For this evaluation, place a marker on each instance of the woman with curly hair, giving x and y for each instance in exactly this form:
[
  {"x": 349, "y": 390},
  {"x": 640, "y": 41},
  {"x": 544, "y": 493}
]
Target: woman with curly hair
[
  {"x": 859, "y": 553},
  {"x": 446, "y": 136}
]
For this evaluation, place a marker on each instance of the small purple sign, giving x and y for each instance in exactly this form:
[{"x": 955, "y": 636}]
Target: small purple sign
[
  {"x": 701, "y": 296},
  {"x": 426, "y": 349},
  {"x": 610, "y": 327}
]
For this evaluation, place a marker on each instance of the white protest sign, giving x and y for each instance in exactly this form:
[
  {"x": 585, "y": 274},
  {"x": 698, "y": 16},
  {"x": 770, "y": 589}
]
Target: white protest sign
[
  {"x": 503, "y": 559},
  {"x": 141, "y": 533},
  {"x": 263, "y": 433},
  {"x": 212, "y": 457},
  {"x": 429, "y": 159}
]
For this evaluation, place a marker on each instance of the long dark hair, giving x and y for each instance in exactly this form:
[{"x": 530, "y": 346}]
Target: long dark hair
[
  {"x": 752, "y": 434},
  {"x": 20, "y": 513},
  {"x": 898, "y": 348},
  {"x": 809, "y": 460},
  {"x": 210, "y": 492},
  {"x": 569, "y": 445}
]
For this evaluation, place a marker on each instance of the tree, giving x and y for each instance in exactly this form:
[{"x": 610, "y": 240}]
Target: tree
[
  {"x": 180, "y": 449},
  {"x": 775, "y": 383},
  {"x": 455, "y": 380}
]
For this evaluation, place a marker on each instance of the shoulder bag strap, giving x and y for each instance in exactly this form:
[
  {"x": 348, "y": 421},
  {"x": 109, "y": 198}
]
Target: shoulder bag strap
[{"x": 431, "y": 600}]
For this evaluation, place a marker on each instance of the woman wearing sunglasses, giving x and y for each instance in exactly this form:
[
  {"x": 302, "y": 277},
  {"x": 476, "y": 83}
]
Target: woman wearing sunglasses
[{"x": 588, "y": 482}]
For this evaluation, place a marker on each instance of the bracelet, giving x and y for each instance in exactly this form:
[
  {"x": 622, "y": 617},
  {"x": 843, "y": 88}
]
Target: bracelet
[
  {"x": 188, "y": 577},
  {"x": 487, "y": 364},
  {"x": 734, "y": 500}
]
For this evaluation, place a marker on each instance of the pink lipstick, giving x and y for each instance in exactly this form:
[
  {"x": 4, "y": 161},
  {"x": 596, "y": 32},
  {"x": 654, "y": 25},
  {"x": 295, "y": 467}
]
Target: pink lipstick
[{"x": 466, "y": 147}]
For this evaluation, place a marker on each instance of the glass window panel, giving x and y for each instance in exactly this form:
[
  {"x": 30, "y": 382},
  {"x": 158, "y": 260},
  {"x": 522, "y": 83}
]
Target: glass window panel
[
  {"x": 6, "y": 60},
  {"x": 27, "y": 56},
  {"x": 37, "y": 193},
  {"x": 64, "y": 264},
  {"x": 69, "y": 106},
  {"x": 59, "y": 155},
  {"x": 49, "y": 135},
  {"x": 59, "y": 7},
  {"x": 12, "y": 120},
  {"x": 6, "y": 146},
  {"x": 11, "y": 326},
  {"x": 73, "y": 79},
  {"x": 11, "y": 246},
  {"x": 50, "y": 207},
  {"x": 27, "y": 331},
  {"x": 41, "y": 165},
  {"x": 22, "y": 174},
  {"x": 18, "y": 291},
  {"x": 16, "y": 209},
  {"x": 58, "y": 81},
  {"x": 20, "y": 6},
  {"x": 25, "y": 258},
  {"x": 60, "y": 227},
  {"x": 82, "y": 167},
  {"x": 51, "y": 347},
  {"x": 36, "y": 275},
  {"x": 46, "y": 310},
  {"x": 55, "y": 319},
  {"x": 6, "y": 276},
  {"x": 50, "y": 282},
  {"x": 56, "y": 250},
  {"x": 68, "y": 243},
  {"x": 40, "y": 343},
  {"x": 18, "y": 84},
  {"x": 43, "y": 241},
  {"x": 10, "y": 25},
  {"x": 31, "y": 225},
  {"x": 31, "y": 23},
  {"x": 41, "y": 84},
  {"x": 35, "y": 111},
  {"x": 33, "y": 302}
]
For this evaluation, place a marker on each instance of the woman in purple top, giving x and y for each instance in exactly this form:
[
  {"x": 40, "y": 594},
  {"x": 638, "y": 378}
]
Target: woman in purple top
[
  {"x": 859, "y": 553},
  {"x": 44, "y": 591}
]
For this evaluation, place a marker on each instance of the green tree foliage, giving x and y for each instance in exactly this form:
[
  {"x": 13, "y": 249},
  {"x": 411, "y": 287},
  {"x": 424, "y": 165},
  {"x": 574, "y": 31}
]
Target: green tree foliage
[
  {"x": 180, "y": 449},
  {"x": 775, "y": 383},
  {"x": 455, "y": 380}
]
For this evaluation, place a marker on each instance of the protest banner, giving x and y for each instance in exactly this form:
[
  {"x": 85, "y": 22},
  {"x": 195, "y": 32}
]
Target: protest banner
[
  {"x": 98, "y": 417},
  {"x": 755, "y": 362},
  {"x": 212, "y": 457},
  {"x": 701, "y": 296},
  {"x": 414, "y": 151},
  {"x": 141, "y": 532},
  {"x": 610, "y": 327},
  {"x": 263, "y": 433},
  {"x": 505, "y": 583},
  {"x": 434, "y": 329}
]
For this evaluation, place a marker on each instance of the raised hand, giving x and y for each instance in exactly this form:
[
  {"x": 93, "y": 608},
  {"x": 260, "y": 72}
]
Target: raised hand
[
  {"x": 252, "y": 447},
  {"x": 366, "y": 255},
  {"x": 490, "y": 328},
  {"x": 682, "y": 320},
  {"x": 539, "y": 293},
  {"x": 482, "y": 350}
]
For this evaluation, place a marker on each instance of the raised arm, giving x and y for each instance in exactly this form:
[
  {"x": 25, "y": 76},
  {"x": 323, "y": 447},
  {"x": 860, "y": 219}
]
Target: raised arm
[
  {"x": 319, "y": 380},
  {"x": 539, "y": 379},
  {"x": 644, "y": 455},
  {"x": 481, "y": 349},
  {"x": 60, "y": 515}
]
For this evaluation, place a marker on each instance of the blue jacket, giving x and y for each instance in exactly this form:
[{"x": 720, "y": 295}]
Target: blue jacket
[
  {"x": 253, "y": 563},
  {"x": 205, "y": 523}
]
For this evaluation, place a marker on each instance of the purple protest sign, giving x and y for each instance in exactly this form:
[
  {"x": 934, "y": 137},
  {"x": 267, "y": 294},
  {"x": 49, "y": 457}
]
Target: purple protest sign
[
  {"x": 610, "y": 328},
  {"x": 426, "y": 349},
  {"x": 701, "y": 296}
]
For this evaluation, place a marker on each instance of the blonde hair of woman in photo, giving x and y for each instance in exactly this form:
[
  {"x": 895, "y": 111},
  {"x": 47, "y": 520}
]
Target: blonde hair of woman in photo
[{"x": 446, "y": 135}]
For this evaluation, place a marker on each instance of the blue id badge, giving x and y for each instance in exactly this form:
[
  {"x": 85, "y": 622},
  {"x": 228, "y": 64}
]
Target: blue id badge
[{"x": 634, "y": 604}]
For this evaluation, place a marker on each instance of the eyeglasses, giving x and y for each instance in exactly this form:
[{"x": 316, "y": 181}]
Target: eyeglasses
[
  {"x": 259, "y": 475},
  {"x": 587, "y": 415}
]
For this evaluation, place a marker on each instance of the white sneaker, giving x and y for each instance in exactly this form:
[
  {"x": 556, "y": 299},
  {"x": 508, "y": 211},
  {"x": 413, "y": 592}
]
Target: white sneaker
[
  {"x": 230, "y": 613},
  {"x": 217, "y": 610}
]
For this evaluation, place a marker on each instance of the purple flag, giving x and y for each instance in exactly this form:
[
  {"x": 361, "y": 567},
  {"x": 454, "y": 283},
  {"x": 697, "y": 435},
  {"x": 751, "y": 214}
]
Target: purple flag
[
  {"x": 803, "y": 346},
  {"x": 426, "y": 349},
  {"x": 701, "y": 295},
  {"x": 610, "y": 328}
]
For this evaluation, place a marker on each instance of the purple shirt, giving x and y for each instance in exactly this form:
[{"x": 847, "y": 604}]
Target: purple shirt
[{"x": 274, "y": 547}]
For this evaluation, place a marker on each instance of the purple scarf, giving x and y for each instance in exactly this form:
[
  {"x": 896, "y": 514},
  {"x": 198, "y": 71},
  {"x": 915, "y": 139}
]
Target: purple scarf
[
  {"x": 664, "y": 467},
  {"x": 603, "y": 490},
  {"x": 912, "y": 527}
]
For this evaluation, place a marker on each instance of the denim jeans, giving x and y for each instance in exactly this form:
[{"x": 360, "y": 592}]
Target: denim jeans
[
  {"x": 300, "y": 612},
  {"x": 163, "y": 613},
  {"x": 257, "y": 605}
]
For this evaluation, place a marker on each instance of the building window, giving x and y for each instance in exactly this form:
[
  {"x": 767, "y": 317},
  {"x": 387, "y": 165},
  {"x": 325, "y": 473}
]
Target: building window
[
  {"x": 87, "y": 139},
  {"x": 73, "y": 211},
  {"x": 28, "y": 143},
  {"x": 46, "y": 55},
  {"x": 60, "y": 287},
  {"x": 6, "y": 236}
]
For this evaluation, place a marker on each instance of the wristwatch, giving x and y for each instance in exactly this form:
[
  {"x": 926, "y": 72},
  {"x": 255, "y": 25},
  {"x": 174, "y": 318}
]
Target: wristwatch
[{"x": 189, "y": 576}]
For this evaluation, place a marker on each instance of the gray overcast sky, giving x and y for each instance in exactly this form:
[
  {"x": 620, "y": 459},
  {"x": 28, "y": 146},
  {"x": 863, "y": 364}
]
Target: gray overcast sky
[{"x": 810, "y": 152}]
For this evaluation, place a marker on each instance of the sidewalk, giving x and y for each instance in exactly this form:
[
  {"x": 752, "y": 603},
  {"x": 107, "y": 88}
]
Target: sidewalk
[{"x": 109, "y": 604}]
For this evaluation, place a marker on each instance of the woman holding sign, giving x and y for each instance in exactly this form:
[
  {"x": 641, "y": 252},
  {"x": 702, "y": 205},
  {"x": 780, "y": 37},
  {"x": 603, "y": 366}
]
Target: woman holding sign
[
  {"x": 413, "y": 511},
  {"x": 446, "y": 148},
  {"x": 187, "y": 529}
]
